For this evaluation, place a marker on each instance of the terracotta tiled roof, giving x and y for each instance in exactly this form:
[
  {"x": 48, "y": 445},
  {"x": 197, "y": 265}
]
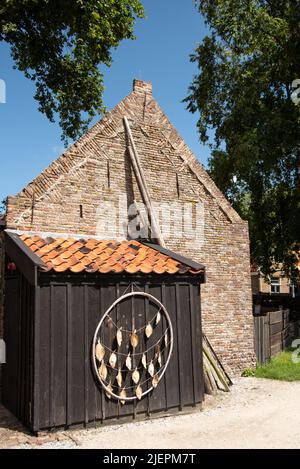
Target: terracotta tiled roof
[{"x": 91, "y": 255}]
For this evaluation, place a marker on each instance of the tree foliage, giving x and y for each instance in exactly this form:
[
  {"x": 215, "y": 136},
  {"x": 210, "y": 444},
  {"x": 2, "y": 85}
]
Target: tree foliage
[
  {"x": 60, "y": 44},
  {"x": 247, "y": 64}
]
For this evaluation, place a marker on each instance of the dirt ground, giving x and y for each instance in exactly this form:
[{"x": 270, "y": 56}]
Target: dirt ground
[{"x": 257, "y": 413}]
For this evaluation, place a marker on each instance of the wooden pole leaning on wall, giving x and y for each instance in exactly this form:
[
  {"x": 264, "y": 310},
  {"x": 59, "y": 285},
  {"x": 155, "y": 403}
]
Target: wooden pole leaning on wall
[{"x": 135, "y": 160}]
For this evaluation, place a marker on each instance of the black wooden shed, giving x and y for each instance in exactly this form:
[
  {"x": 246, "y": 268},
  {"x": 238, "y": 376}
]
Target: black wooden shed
[{"x": 75, "y": 357}]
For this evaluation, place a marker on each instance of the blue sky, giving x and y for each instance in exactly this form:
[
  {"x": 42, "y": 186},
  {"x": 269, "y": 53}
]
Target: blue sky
[{"x": 160, "y": 54}]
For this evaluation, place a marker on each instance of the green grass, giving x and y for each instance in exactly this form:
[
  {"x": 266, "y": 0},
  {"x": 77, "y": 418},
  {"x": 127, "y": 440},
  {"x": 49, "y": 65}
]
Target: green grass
[{"x": 279, "y": 367}]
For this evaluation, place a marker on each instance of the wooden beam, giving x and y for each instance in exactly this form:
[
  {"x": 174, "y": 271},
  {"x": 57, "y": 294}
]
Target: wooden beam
[{"x": 155, "y": 229}]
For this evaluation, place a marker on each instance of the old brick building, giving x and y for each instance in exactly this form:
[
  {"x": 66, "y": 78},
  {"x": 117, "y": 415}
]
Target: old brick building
[{"x": 73, "y": 195}]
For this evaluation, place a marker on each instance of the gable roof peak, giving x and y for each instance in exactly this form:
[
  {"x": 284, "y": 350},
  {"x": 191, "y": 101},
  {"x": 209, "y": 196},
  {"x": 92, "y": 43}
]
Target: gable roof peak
[{"x": 142, "y": 86}]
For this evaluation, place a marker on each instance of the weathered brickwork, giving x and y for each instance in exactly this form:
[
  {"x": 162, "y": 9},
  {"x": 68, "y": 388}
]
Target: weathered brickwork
[{"x": 70, "y": 197}]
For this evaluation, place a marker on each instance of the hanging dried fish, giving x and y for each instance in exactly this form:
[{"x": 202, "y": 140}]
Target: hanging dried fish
[
  {"x": 139, "y": 392},
  {"x": 148, "y": 330},
  {"x": 103, "y": 371},
  {"x": 99, "y": 351},
  {"x": 159, "y": 359},
  {"x": 119, "y": 378},
  {"x": 109, "y": 323},
  {"x": 135, "y": 376},
  {"x": 108, "y": 390},
  {"x": 113, "y": 360},
  {"x": 157, "y": 351},
  {"x": 155, "y": 381},
  {"x": 158, "y": 318},
  {"x": 144, "y": 361},
  {"x": 151, "y": 369},
  {"x": 119, "y": 337},
  {"x": 128, "y": 362},
  {"x": 166, "y": 339},
  {"x": 122, "y": 394},
  {"x": 134, "y": 339}
]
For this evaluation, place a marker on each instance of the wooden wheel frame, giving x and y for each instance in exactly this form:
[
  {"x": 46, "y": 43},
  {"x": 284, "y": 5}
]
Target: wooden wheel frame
[{"x": 169, "y": 323}]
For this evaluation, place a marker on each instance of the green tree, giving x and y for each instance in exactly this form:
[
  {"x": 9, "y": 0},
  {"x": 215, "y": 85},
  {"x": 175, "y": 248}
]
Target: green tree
[
  {"x": 247, "y": 64},
  {"x": 60, "y": 44}
]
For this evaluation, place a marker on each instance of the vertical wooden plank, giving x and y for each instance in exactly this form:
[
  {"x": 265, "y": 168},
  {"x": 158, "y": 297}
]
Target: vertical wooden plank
[
  {"x": 192, "y": 342},
  {"x": 117, "y": 322},
  {"x": 69, "y": 355},
  {"x": 198, "y": 352},
  {"x": 12, "y": 318},
  {"x": 59, "y": 340},
  {"x": 133, "y": 327},
  {"x": 146, "y": 316},
  {"x": 184, "y": 336},
  {"x": 94, "y": 314},
  {"x": 42, "y": 348},
  {"x": 157, "y": 396},
  {"x": 179, "y": 345},
  {"x": 86, "y": 356},
  {"x": 140, "y": 321},
  {"x": 126, "y": 320},
  {"x": 76, "y": 355},
  {"x": 101, "y": 394},
  {"x": 51, "y": 358},
  {"x": 36, "y": 404},
  {"x": 172, "y": 371},
  {"x": 164, "y": 302}
]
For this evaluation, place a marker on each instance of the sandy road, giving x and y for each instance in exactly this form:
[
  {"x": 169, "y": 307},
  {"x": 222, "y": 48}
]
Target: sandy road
[{"x": 258, "y": 413}]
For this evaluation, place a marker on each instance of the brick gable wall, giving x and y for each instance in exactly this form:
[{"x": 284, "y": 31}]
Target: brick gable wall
[{"x": 97, "y": 171}]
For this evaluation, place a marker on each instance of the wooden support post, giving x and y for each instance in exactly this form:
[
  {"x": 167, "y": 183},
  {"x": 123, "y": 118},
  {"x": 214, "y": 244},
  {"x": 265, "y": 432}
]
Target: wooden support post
[{"x": 143, "y": 186}]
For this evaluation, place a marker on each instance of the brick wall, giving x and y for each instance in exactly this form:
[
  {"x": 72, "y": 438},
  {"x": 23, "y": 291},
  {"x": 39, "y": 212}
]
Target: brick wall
[{"x": 72, "y": 195}]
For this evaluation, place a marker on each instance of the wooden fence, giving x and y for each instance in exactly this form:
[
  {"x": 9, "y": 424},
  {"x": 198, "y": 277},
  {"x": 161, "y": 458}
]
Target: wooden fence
[{"x": 273, "y": 332}]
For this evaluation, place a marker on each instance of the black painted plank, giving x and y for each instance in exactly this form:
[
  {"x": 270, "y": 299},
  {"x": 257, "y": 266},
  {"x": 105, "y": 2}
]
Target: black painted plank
[
  {"x": 94, "y": 315},
  {"x": 172, "y": 371},
  {"x": 76, "y": 359},
  {"x": 59, "y": 332},
  {"x": 43, "y": 362},
  {"x": 86, "y": 356},
  {"x": 197, "y": 341},
  {"x": 10, "y": 368},
  {"x": 139, "y": 310},
  {"x": 157, "y": 396}
]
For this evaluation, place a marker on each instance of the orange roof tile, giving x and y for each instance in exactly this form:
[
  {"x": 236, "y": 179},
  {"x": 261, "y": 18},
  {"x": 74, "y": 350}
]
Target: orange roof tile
[{"x": 91, "y": 255}]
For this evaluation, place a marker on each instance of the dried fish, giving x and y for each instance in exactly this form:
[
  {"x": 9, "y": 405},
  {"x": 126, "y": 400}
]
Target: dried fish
[
  {"x": 103, "y": 371},
  {"x": 128, "y": 362},
  {"x": 119, "y": 378},
  {"x": 134, "y": 339},
  {"x": 159, "y": 359},
  {"x": 144, "y": 361},
  {"x": 157, "y": 351},
  {"x": 109, "y": 323},
  {"x": 135, "y": 376},
  {"x": 122, "y": 394},
  {"x": 119, "y": 337},
  {"x": 155, "y": 381},
  {"x": 108, "y": 390},
  {"x": 158, "y": 318},
  {"x": 113, "y": 360},
  {"x": 99, "y": 351},
  {"x": 166, "y": 339},
  {"x": 139, "y": 392},
  {"x": 148, "y": 330},
  {"x": 151, "y": 369}
]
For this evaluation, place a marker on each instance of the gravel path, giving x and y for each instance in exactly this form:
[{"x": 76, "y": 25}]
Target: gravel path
[{"x": 257, "y": 413}]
